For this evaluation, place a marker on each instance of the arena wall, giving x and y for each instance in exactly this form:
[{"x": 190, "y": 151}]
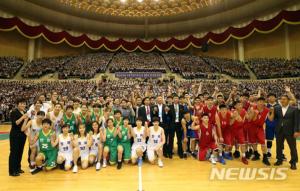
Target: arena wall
[{"x": 279, "y": 43}]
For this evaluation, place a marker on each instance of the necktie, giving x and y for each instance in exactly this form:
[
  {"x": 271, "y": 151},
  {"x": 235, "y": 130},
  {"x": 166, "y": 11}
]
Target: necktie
[{"x": 148, "y": 110}]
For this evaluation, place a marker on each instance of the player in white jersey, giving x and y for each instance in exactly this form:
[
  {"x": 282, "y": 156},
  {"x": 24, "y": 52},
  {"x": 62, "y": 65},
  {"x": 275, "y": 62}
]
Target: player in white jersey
[
  {"x": 32, "y": 114},
  {"x": 65, "y": 147},
  {"x": 155, "y": 142},
  {"x": 56, "y": 116},
  {"x": 139, "y": 146},
  {"x": 97, "y": 146},
  {"x": 32, "y": 128},
  {"x": 82, "y": 142}
]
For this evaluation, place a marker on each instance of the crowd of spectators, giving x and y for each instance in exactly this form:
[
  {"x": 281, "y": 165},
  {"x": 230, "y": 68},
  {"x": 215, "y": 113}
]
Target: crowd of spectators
[
  {"x": 231, "y": 67},
  {"x": 9, "y": 66},
  {"x": 137, "y": 62},
  {"x": 266, "y": 68},
  {"x": 189, "y": 66},
  {"x": 86, "y": 66},
  {"x": 83, "y": 66}
]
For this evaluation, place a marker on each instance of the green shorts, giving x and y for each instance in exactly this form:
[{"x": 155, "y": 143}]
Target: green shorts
[
  {"x": 50, "y": 157},
  {"x": 126, "y": 150},
  {"x": 113, "y": 154}
]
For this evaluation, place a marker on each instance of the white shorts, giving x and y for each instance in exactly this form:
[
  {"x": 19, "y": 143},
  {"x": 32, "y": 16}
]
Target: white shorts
[
  {"x": 151, "y": 152},
  {"x": 84, "y": 156},
  {"x": 68, "y": 156},
  {"x": 94, "y": 152},
  {"x": 136, "y": 146}
]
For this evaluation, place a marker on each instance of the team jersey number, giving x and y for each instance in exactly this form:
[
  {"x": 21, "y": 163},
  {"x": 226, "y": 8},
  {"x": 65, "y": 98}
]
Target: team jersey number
[
  {"x": 45, "y": 146},
  {"x": 82, "y": 148}
]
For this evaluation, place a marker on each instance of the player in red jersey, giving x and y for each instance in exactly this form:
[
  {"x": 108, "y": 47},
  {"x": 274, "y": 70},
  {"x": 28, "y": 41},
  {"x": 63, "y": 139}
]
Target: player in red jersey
[
  {"x": 208, "y": 148},
  {"x": 223, "y": 122},
  {"x": 211, "y": 110},
  {"x": 257, "y": 132},
  {"x": 237, "y": 132},
  {"x": 198, "y": 107}
]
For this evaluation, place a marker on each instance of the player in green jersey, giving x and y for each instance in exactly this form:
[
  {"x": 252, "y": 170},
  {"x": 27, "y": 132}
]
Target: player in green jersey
[
  {"x": 47, "y": 148},
  {"x": 85, "y": 118},
  {"x": 110, "y": 143},
  {"x": 70, "y": 119},
  {"x": 124, "y": 145}
]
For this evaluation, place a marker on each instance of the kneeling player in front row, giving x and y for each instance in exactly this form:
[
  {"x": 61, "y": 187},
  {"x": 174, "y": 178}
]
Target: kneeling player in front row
[
  {"x": 82, "y": 142},
  {"x": 65, "y": 147},
  {"x": 97, "y": 146},
  {"x": 155, "y": 142},
  {"x": 110, "y": 143},
  {"x": 47, "y": 152},
  {"x": 208, "y": 148},
  {"x": 139, "y": 134}
]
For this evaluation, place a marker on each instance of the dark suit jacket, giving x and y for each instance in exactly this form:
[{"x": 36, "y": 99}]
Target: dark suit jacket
[
  {"x": 166, "y": 116},
  {"x": 143, "y": 115},
  {"x": 173, "y": 114},
  {"x": 289, "y": 123}
]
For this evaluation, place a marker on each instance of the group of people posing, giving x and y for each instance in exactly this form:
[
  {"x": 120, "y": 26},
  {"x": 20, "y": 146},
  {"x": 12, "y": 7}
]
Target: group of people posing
[{"x": 85, "y": 132}]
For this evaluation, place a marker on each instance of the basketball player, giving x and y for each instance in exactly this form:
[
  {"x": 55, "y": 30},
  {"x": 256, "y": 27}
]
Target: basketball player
[
  {"x": 82, "y": 142},
  {"x": 189, "y": 135},
  {"x": 56, "y": 116},
  {"x": 208, "y": 148},
  {"x": 85, "y": 118},
  {"x": 257, "y": 134},
  {"x": 223, "y": 122},
  {"x": 47, "y": 151},
  {"x": 32, "y": 128},
  {"x": 37, "y": 107},
  {"x": 139, "y": 146},
  {"x": 65, "y": 147},
  {"x": 124, "y": 145},
  {"x": 155, "y": 142},
  {"x": 270, "y": 125},
  {"x": 70, "y": 119},
  {"x": 118, "y": 118},
  {"x": 211, "y": 110},
  {"x": 237, "y": 132},
  {"x": 110, "y": 143},
  {"x": 97, "y": 146},
  {"x": 97, "y": 112}
]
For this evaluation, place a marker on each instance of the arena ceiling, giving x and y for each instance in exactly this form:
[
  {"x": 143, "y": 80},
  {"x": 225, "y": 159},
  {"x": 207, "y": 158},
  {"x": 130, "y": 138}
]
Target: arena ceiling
[
  {"x": 142, "y": 19},
  {"x": 140, "y": 8}
]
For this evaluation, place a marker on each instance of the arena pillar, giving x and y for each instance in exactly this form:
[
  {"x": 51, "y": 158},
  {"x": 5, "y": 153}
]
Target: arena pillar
[
  {"x": 287, "y": 42},
  {"x": 30, "y": 50},
  {"x": 241, "y": 51}
]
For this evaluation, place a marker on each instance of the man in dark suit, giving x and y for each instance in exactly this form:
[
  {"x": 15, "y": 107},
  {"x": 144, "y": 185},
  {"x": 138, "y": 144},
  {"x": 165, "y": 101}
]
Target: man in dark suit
[
  {"x": 176, "y": 111},
  {"x": 145, "y": 112},
  {"x": 287, "y": 127}
]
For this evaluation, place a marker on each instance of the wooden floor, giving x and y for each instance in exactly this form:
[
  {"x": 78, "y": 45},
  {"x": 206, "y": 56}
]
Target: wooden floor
[{"x": 189, "y": 175}]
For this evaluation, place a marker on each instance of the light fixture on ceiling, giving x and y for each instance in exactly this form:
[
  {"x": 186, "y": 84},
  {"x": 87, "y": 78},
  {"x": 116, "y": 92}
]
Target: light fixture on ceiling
[
  {"x": 123, "y": 1},
  {"x": 140, "y": 1}
]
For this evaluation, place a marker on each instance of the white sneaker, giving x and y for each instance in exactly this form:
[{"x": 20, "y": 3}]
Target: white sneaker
[
  {"x": 160, "y": 163},
  {"x": 104, "y": 165},
  {"x": 213, "y": 160},
  {"x": 75, "y": 169},
  {"x": 98, "y": 166}
]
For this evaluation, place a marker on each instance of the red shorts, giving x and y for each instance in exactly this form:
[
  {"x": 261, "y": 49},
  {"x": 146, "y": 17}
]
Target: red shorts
[
  {"x": 204, "y": 148},
  {"x": 227, "y": 137},
  {"x": 247, "y": 127},
  {"x": 237, "y": 135},
  {"x": 257, "y": 135}
]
